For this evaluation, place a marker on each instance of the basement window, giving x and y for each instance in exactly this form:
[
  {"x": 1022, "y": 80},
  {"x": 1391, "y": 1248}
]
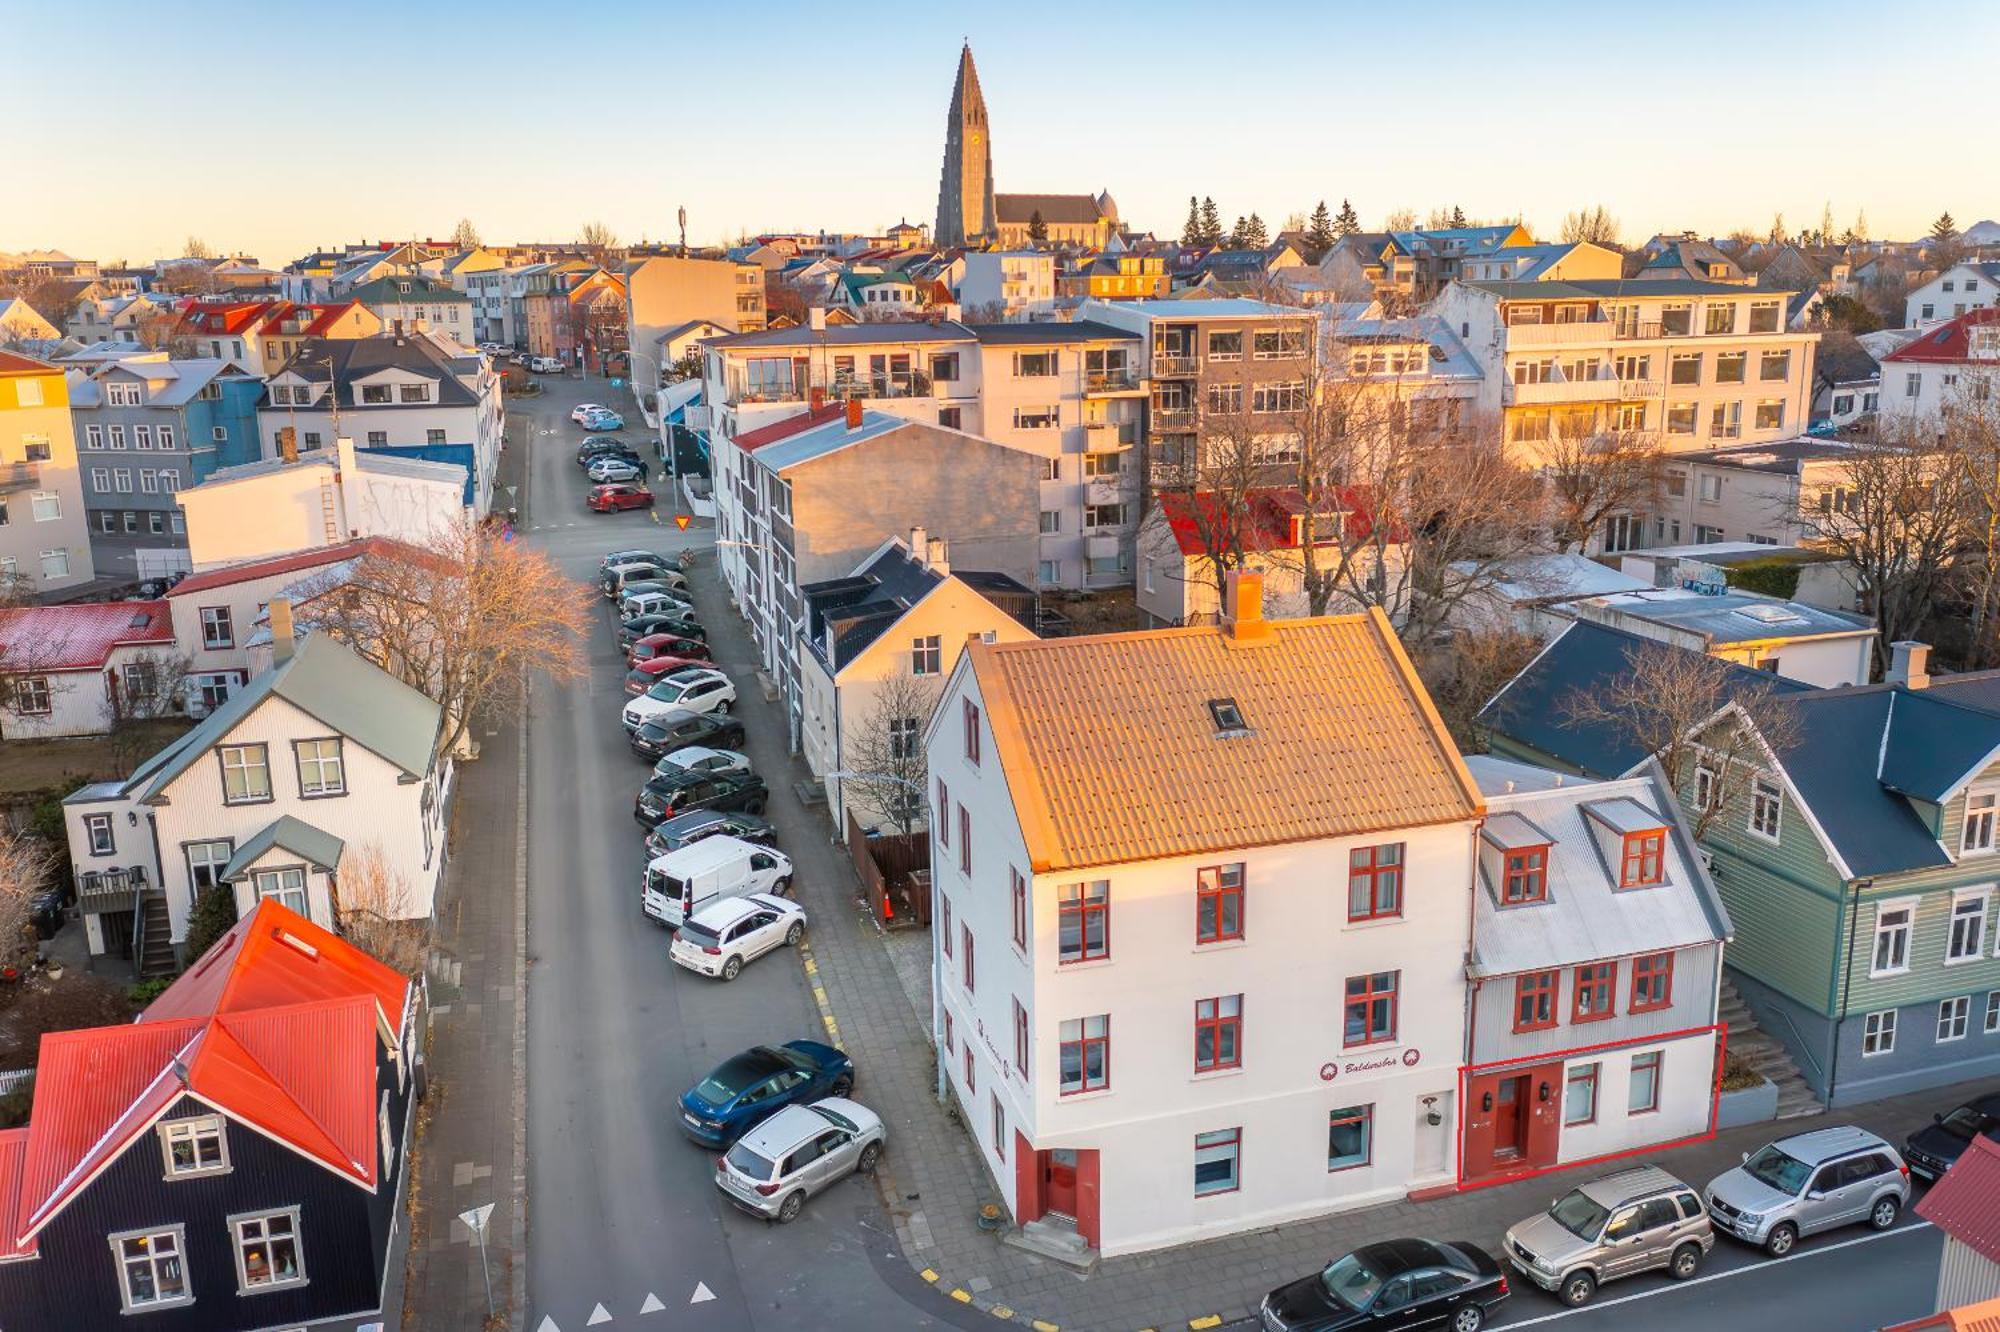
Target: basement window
[{"x": 1228, "y": 718}]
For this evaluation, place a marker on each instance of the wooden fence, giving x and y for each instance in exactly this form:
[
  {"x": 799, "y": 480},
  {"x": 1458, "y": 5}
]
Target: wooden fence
[{"x": 895, "y": 873}]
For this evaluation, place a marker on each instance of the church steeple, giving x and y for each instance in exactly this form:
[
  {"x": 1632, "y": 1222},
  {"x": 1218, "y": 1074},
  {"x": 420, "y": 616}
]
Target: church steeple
[{"x": 965, "y": 186}]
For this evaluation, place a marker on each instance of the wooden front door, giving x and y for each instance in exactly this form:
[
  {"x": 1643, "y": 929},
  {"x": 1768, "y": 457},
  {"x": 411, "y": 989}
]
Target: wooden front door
[
  {"x": 1059, "y": 1182},
  {"x": 1509, "y": 1117}
]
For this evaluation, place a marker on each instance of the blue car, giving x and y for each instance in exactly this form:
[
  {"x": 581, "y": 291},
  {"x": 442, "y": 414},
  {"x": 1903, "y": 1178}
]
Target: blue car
[
  {"x": 603, "y": 421},
  {"x": 753, "y": 1086}
]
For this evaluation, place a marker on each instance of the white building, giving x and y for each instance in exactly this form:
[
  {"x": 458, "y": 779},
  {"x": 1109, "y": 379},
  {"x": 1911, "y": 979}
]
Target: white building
[
  {"x": 81, "y": 669},
  {"x": 1959, "y": 289},
  {"x": 1159, "y": 1023},
  {"x": 1823, "y": 648},
  {"x": 1012, "y": 282},
  {"x": 1955, "y": 363}
]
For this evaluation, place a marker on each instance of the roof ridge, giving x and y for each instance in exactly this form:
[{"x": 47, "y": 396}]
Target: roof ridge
[{"x": 222, "y": 1023}]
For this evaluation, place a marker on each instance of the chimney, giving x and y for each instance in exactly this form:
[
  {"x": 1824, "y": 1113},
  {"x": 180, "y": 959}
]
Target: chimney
[
  {"x": 816, "y": 319},
  {"x": 1243, "y": 606},
  {"x": 281, "y": 630},
  {"x": 920, "y": 546},
  {"x": 288, "y": 445},
  {"x": 1910, "y": 664},
  {"x": 937, "y": 557},
  {"x": 953, "y": 312},
  {"x": 854, "y": 413}
]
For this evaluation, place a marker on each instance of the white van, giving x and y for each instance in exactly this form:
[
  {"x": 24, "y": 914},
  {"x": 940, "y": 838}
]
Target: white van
[
  {"x": 653, "y": 603},
  {"x": 682, "y": 882}
]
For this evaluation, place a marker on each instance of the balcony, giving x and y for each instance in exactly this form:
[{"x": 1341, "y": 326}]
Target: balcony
[
  {"x": 111, "y": 890},
  {"x": 1108, "y": 436},
  {"x": 1604, "y": 388},
  {"x": 1104, "y": 489},
  {"x": 1170, "y": 475},
  {"x": 1524, "y": 337},
  {"x": 19, "y": 476},
  {"x": 1632, "y": 390},
  {"x": 802, "y": 386},
  {"x": 1176, "y": 365},
  {"x": 1173, "y": 418},
  {"x": 1112, "y": 381}
]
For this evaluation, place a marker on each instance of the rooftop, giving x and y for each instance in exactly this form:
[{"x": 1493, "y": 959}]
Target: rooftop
[
  {"x": 1598, "y": 289},
  {"x": 81, "y": 636},
  {"x": 1732, "y": 617},
  {"x": 1949, "y": 342}
]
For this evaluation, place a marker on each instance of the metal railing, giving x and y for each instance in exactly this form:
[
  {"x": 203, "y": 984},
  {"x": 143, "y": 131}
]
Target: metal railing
[
  {"x": 1176, "y": 365},
  {"x": 1173, "y": 418},
  {"x": 801, "y": 385},
  {"x": 18, "y": 475},
  {"x": 1112, "y": 379}
]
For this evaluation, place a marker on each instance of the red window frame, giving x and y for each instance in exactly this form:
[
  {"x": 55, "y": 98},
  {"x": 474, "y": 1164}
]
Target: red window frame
[
  {"x": 971, "y": 732},
  {"x": 1082, "y": 1045},
  {"x": 971, "y": 1084},
  {"x": 1530, "y": 866},
  {"x": 965, "y": 938},
  {"x": 1657, "y": 1060},
  {"x": 944, "y": 920},
  {"x": 1646, "y": 969},
  {"x": 1018, "y": 888},
  {"x": 1535, "y": 997},
  {"x": 943, "y": 813},
  {"x": 964, "y": 841},
  {"x": 1593, "y": 992},
  {"x": 1644, "y": 862},
  {"x": 1365, "y": 1000},
  {"x": 1213, "y": 891},
  {"x": 1210, "y": 1019},
  {"x": 950, "y": 1044},
  {"x": 1082, "y": 909},
  {"x": 999, "y": 1126},
  {"x": 1366, "y": 865},
  {"x": 1020, "y": 1039}
]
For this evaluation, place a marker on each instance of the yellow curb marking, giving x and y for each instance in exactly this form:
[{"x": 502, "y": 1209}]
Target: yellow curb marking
[
  {"x": 1040, "y": 1326},
  {"x": 812, "y": 967},
  {"x": 928, "y": 1275},
  {"x": 961, "y": 1296},
  {"x": 1212, "y": 1320},
  {"x": 819, "y": 993},
  {"x": 1001, "y": 1311}
]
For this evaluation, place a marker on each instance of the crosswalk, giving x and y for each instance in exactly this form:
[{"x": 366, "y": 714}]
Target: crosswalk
[{"x": 651, "y": 1305}]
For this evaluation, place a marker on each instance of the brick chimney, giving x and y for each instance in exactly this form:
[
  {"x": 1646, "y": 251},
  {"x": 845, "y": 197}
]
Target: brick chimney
[
  {"x": 1243, "y": 606},
  {"x": 1910, "y": 664},
  {"x": 816, "y": 319},
  {"x": 854, "y": 413},
  {"x": 281, "y": 630}
]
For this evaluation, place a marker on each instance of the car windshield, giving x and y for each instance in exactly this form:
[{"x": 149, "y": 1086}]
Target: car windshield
[
  {"x": 728, "y": 1081},
  {"x": 835, "y": 1118},
  {"x": 701, "y": 936},
  {"x": 1351, "y": 1282},
  {"x": 1964, "y": 1122},
  {"x": 1576, "y": 1213},
  {"x": 749, "y": 1163},
  {"x": 1786, "y": 1174}
]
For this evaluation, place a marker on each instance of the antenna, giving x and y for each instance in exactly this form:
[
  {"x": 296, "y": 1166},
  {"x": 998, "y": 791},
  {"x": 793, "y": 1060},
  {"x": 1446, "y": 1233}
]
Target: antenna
[{"x": 684, "y": 230}]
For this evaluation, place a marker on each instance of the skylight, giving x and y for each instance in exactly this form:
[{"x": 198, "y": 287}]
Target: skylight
[
  {"x": 1771, "y": 614},
  {"x": 1228, "y": 717}
]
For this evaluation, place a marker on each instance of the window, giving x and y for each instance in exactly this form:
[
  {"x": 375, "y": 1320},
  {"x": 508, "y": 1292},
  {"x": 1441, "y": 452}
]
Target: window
[
  {"x": 949, "y": 1043},
  {"x": 1726, "y": 421},
  {"x": 434, "y": 437},
  {"x": 1083, "y": 1061},
  {"x": 951, "y": 418},
  {"x": 1681, "y": 418},
  {"x": 287, "y": 887},
  {"x": 149, "y": 481},
  {"x": 1225, "y": 346},
  {"x": 1083, "y": 921},
  {"x": 1770, "y": 414},
  {"x": 1370, "y": 1015},
  {"x": 205, "y": 861},
  {"x": 971, "y": 972},
  {"x": 999, "y": 1126},
  {"x": 1216, "y": 1157},
  {"x": 1225, "y": 399},
  {"x": 1684, "y": 368},
  {"x": 1266, "y": 399},
  {"x": 121, "y": 480},
  {"x": 1580, "y": 1095},
  {"x": 1913, "y": 383},
  {"x": 1051, "y": 521},
  {"x": 32, "y": 697},
  {"x": 166, "y": 433},
  {"x": 1774, "y": 365},
  {"x": 1036, "y": 418},
  {"x": 1350, "y": 1135},
  {"x": 413, "y": 392},
  {"x": 149, "y": 1267},
  {"x": 903, "y": 732},
  {"x": 1020, "y": 1039},
  {"x": 267, "y": 1251},
  {"x": 1764, "y": 316},
  {"x": 99, "y": 834},
  {"x": 1644, "y": 861},
  {"x": 944, "y": 368},
  {"x": 1535, "y": 1000},
  {"x": 1375, "y": 882},
  {"x": 964, "y": 841},
  {"x": 142, "y": 437},
  {"x": 1878, "y": 1032},
  {"x": 55, "y": 564},
  {"x": 944, "y": 923},
  {"x": 1592, "y": 1000},
  {"x": 1721, "y": 319},
  {"x": 378, "y": 439},
  {"x": 971, "y": 732},
  {"x": 1279, "y": 344},
  {"x": 1642, "y": 1094},
  {"x": 194, "y": 1146},
  {"x": 1018, "y": 893},
  {"x": 1526, "y": 875},
  {"x": 1767, "y": 805},
  {"x": 93, "y": 437},
  {"x": 246, "y": 774},
  {"x": 971, "y": 1084},
  {"x": 1537, "y": 371},
  {"x": 320, "y": 769},
  {"x": 1729, "y": 367},
  {"x": 47, "y": 505},
  {"x": 1952, "y": 1014},
  {"x": 374, "y": 393},
  {"x": 1992, "y": 1024},
  {"x": 1892, "y": 938},
  {"x": 1103, "y": 515},
  {"x": 1652, "y": 982},
  {"x": 116, "y": 435},
  {"x": 1218, "y": 903},
  {"x": 1034, "y": 365},
  {"x": 942, "y": 815},
  {"x": 927, "y": 657},
  {"x": 1968, "y": 924},
  {"x": 1979, "y": 817},
  {"x": 1218, "y": 1033}
]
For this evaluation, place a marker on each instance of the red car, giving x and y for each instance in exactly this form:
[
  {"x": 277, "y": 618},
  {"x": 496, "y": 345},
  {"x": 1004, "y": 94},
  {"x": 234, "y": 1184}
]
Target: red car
[
  {"x": 665, "y": 645},
  {"x": 648, "y": 672},
  {"x": 619, "y": 495}
]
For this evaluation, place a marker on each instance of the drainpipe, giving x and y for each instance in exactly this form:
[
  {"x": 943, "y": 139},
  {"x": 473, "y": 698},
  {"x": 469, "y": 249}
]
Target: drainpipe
[{"x": 1853, "y": 905}]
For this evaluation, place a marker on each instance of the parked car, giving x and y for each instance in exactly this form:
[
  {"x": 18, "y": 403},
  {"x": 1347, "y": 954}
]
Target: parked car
[
  {"x": 603, "y": 420},
  {"x": 1931, "y": 1150},
  {"x": 546, "y": 365},
  {"x": 1634, "y": 1221},
  {"x": 616, "y": 468},
  {"x": 663, "y": 797},
  {"x": 700, "y": 824},
  {"x": 1396, "y": 1283},
  {"x": 619, "y": 496},
  {"x": 583, "y": 409},
  {"x": 589, "y": 463},
  {"x": 799, "y": 1151},
  {"x": 746, "y": 1089},
  {"x": 682, "y": 883},
  {"x": 643, "y": 598},
  {"x": 648, "y": 672},
  {"x": 634, "y": 627},
  {"x": 596, "y": 446},
  {"x": 665, "y": 645},
  {"x": 696, "y": 689},
  {"x": 613, "y": 579},
  {"x": 701, "y": 758},
  {"x": 720, "y": 938},
  {"x": 1809, "y": 1182},
  {"x": 668, "y": 732},
  {"x": 632, "y": 556}
]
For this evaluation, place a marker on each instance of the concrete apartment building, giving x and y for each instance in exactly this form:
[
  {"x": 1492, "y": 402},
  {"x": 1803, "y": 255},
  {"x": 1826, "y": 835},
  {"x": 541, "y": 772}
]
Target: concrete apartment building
[
  {"x": 664, "y": 292},
  {"x": 44, "y": 544},
  {"x": 1769, "y": 494},
  {"x": 1014, "y": 282}
]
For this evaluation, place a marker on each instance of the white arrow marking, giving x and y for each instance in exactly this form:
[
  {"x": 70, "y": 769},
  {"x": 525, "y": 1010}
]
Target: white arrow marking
[
  {"x": 597, "y": 1315},
  {"x": 652, "y": 1304},
  {"x": 702, "y": 1294},
  {"x": 547, "y": 1324}
]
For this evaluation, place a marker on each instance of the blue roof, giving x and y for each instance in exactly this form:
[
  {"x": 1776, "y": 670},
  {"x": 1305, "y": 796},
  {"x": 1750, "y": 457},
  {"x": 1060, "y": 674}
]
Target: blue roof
[
  {"x": 458, "y": 454},
  {"x": 1831, "y": 764},
  {"x": 1935, "y": 744}
]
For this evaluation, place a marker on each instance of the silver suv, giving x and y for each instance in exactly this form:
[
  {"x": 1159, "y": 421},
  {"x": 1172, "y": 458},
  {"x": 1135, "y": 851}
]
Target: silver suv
[
  {"x": 1633, "y": 1221},
  {"x": 802, "y": 1149},
  {"x": 1810, "y": 1182}
]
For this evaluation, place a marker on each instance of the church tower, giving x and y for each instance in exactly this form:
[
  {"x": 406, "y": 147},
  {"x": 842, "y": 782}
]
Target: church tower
[{"x": 965, "y": 187}]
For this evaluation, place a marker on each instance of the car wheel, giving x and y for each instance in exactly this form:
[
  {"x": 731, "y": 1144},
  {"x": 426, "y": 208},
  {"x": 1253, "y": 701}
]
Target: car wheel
[
  {"x": 723, "y": 707},
  {"x": 1469, "y": 1318},
  {"x": 783, "y": 888},
  {"x": 789, "y": 1210},
  {"x": 1577, "y": 1288},
  {"x": 870, "y": 1154},
  {"x": 796, "y": 933},
  {"x": 1781, "y": 1239},
  {"x": 841, "y": 1085},
  {"x": 1884, "y": 1213},
  {"x": 732, "y": 968},
  {"x": 1687, "y": 1261},
  {"x": 754, "y": 807}
]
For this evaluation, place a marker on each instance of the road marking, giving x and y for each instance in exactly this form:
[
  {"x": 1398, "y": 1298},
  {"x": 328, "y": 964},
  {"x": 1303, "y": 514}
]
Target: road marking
[
  {"x": 928, "y": 1274},
  {"x": 600, "y": 1314},
  {"x": 1205, "y": 1322},
  {"x": 1764, "y": 1266},
  {"x": 1040, "y": 1326},
  {"x": 1001, "y": 1311},
  {"x": 962, "y": 1296},
  {"x": 652, "y": 1304},
  {"x": 547, "y": 1324},
  {"x": 702, "y": 1294}
]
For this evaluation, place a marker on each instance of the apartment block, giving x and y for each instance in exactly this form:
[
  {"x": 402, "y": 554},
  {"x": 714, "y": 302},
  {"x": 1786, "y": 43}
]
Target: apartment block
[
  {"x": 663, "y": 292},
  {"x": 44, "y": 546}
]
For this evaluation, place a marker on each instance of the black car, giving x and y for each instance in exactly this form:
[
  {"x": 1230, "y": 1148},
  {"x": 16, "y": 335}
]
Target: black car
[
  {"x": 674, "y": 731},
  {"x": 700, "y": 824},
  {"x": 45, "y": 911},
  {"x": 1930, "y": 1151},
  {"x": 601, "y": 444},
  {"x": 663, "y": 797},
  {"x": 660, "y": 622},
  {"x": 1397, "y": 1283}
]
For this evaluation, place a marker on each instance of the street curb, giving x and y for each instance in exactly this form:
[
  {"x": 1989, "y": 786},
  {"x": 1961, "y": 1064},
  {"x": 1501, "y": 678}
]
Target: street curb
[
  {"x": 518, "y": 1283},
  {"x": 826, "y": 1017}
]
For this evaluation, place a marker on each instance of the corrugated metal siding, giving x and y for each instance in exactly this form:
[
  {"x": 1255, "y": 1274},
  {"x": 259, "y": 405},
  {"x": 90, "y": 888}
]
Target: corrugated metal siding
[
  {"x": 1965, "y": 1276},
  {"x": 1494, "y": 1037},
  {"x": 1928, "y": 979}
]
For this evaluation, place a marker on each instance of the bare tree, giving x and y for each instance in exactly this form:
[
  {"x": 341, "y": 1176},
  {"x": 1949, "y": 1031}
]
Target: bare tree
[
  {"x": 887, "y": 753},
  {"x": 196, "y": 248},
  {"x": 1689, "y": 710},
  {"x": 469, "y": 619},
  {"x": 1461, "y": 673},
  {"x": 165, "y": 330},
  {"x": 598, "y": 241},
  {"x": 465, "y": 236},
  {"x": 375, "y": 909},
  {"x": 1595, "y": 225},
  {"x": 149, "y": 687},
  {"x": 26, "y": 861},
  {"x": 1400, "y": 219},
  {"x": 1969, "y": 429},
  {"x": 1215, "y": 487},
  {"x": 1594, "y": 474}
]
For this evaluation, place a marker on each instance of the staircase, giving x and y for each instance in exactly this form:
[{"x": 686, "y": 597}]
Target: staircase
[
  {"x": 1766, "y": 1054},
  {"x": 152, "y": 943}
]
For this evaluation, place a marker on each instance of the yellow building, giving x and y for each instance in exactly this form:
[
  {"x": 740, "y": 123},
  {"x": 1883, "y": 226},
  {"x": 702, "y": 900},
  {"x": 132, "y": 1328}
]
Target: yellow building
[
  {"x": 1065, "y": 219},
  {"x": 44, "y": 543},
  {"x": 1119, "y": 277}
]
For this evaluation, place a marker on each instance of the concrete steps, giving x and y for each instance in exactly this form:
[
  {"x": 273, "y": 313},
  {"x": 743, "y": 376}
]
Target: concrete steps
[
  {"x": 1053, "y": 1237},
  {"x": 1764, "y": 1053}
]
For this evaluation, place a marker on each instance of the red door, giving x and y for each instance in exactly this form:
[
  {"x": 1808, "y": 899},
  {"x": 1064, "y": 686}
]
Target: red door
[
  {"x": 1507, "y": 1121},
  {"x": 1059, "y": 1182}
]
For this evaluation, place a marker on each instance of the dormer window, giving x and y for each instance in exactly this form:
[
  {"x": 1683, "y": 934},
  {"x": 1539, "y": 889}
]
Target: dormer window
[
  {"x": 1979, "y": 816},
  {"x": 194, "y": 1147},
  {"x": 415, "y": 392},
  {"x": 1228, "y": 717},
  {"x": 1644, "y": 862},
  {"x": 375, "y": 393},
  {"x": 1526, "y": 876}
]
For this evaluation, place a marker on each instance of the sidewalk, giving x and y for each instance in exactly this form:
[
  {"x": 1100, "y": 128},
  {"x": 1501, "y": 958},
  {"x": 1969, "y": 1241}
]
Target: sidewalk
[{"x": 934, "y": 1181}]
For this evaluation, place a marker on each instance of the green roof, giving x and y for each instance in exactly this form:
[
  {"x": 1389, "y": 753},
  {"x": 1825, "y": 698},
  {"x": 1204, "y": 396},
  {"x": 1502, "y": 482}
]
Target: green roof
[
  {"x": 316, "y": 845},
  {"x": 382, "y": 291}
]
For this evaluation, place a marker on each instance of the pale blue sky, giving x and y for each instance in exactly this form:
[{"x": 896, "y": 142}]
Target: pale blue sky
[{"x": 277, "y": 127}]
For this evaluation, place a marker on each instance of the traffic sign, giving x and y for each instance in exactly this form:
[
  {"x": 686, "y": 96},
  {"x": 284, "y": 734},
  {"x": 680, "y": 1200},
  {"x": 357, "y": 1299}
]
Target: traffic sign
[
  {"x": 681, "y": 521},
  {"x": 476, "y": 1219}
]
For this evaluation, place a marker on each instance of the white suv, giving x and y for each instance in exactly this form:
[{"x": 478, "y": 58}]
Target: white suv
[
  {"x": 718, "y": 939},
  {"x": 701, "y": 758},
  {"x": 690, "y": 689}
]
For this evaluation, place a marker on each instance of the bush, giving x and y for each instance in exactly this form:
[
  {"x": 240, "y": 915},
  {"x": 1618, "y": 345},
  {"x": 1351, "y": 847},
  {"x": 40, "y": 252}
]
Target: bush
[
  {"x": 146, "y": 991},
  {"x": 1773, "y": 578},
  {"x": 214, "y": 912},
  {"x": 14, "y": 1106}
]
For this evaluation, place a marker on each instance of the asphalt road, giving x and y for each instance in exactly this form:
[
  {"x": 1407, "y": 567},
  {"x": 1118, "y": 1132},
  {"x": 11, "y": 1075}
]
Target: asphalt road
[{"x": 623, "y": 1213}]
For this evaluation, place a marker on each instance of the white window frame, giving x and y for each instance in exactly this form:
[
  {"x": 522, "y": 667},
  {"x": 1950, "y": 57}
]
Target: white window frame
[
  {"x": 46, "y": 505},
  {"x": 107, "y": 845},
  {"x": 1907, "y": 930},
  {"x": 1954, "y": 1018},
  {"x": 1977, "y": 896},
  {"x": 1766, "y": 793},
  {"x": 1984, "y": 818},
  {"x": 1878, "y": 1029},
  {"x": 124, "y": 1265},
  {"x": 321, "y": 763},
  {"x": 238, "y": 1241},
  {"x": 276, "y": 885},
  {"x": 1992, "y": 1022},
  {"x": 218, "y": 628}
]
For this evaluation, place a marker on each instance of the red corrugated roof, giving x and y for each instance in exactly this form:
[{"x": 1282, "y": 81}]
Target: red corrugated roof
[
  {"x": 226, "y": 316},
  {"x": 79, "y": 637},
  {"x": 1198, "y": 520},
  {"x": 276, "y": 565},
  {"x": 1950, "y": 341},
  {"x": 751, "y": 440},
  {"x": 1965, "y": 1204},
  {"x": 12, "y": 363},
  {"x": 13, "y": 1148}
]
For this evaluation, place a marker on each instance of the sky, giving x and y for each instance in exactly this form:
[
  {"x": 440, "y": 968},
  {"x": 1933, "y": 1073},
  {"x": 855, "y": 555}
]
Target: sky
[{"x": 273, "y": 129}]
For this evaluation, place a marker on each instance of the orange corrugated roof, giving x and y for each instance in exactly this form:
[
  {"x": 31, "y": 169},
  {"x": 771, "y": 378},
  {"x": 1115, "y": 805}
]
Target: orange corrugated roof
[
  {"x": 1111, "y": 754},
  {"x": 1981, "y": 1317}
]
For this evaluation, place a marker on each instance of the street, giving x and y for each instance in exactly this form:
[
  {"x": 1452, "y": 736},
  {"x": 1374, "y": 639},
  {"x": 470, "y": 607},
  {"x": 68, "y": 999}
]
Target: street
[{"x": 625, "y": 1224}]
